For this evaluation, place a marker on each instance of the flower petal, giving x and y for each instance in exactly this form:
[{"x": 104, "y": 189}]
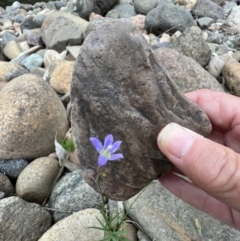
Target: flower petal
[
  {"x": 115, "y": 157},
  {"x": 102, "y": 161},
  {"x": 115, "y": 146},
  {"x": 108, "y": 141},
  {"x": 96, "y": 143}
]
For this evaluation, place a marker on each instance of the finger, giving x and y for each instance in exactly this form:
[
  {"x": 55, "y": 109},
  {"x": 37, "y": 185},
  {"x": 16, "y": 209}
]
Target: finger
[
  {"x": 211, "y": 166},
  {"x": 221, "y": 108},
  {"x": 199, "y": 199}
]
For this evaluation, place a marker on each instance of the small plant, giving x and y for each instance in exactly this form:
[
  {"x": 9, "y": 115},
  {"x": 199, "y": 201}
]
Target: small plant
[
  {"x": 68, "y": 145},
  {"x": 112, "y": 223},
  {"x": 198, "y": 228}
]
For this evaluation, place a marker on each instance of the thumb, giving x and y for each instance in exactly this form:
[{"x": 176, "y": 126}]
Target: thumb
[{"x": 211, "y": 166}]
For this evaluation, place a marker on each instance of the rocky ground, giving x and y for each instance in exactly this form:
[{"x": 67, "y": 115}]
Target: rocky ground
[{"x": 196, "y": 42}]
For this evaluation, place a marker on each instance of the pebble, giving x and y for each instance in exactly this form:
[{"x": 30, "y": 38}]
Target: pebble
[
  {"x": 31, "y": 101},
  {"x": 6, "y": 187},
  {"x": 231, "y": 74},
  {"x": 12, "y": 168},
  {"x": 72, "y": 194},
  {"x": 32, "y": 61},
  {"x": 20, "y": 220},
  {"x": 36, "y": 180},
  {"x": 12, "y": 49},
  {"x": 45, "y": 39},
  {"x": 76, "y": 227}
]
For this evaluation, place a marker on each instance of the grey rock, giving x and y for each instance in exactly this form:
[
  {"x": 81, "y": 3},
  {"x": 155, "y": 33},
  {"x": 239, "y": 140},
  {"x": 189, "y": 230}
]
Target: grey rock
[
  {"x": 85, "y": 7},
  {"x": 201, "y": 9},
  {"x": 6, "y": 38},
  {"x": 219, "y": 2},
  {"x": 95, "y": 24},
  {"x": 56, "y": 25},
  {"x": 28, "y": 23},
  {"x": 34, "y": 40},
  {"x": 32, "y": 61},
  {"x": 38, "y": 20},
  {"x": 76, "y": 227},
  {"x": 168, "y": 17},
  {"x": 60, "y": 4},
  {"x": 19, "y": 18},
  {"x": 20, "y": 220},
  {"x": 38, "y": 71},
  {"x": 186, "y": 72},
  {"x": 228, "y": 7},
  {"x": 136, "y": 99},
  {"x": 50, "y": 5},
  {"x": 121, "y": 11},
  {"x": 221, "y": 49},
  {"x": 5, "y": 185},
  {"x": 234, "y": 16},
  {"x": 163, "y": 216},
  {"x": 205, "y": 22},
  {"x": 16, "y": 5},
  {"x": 216, "y": 38},
  {"x": 144, "y": 6},
  {"x": 162, "y": 45},
  {"x": 2, "y": 195},
  {"x": 71, "y": 194},
  {"x": 12, "y": 168},
  {"x": 232, "y": 42},
  {"x": 2, "y": 11},
  {"x": 191, "y": 44},
  {"x": 27, "y": 7}
]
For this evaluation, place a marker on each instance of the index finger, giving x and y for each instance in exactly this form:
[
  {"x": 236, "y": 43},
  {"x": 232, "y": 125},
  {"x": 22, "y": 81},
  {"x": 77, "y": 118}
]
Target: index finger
[{"x": 222, "y": 109}]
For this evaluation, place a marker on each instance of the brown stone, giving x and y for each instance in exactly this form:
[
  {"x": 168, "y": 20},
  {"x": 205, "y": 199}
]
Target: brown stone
[
  {"x": 5, "y": 185},
  {"x": 60, "y": 75},
  {"x": 185, "y": 71},
  {"x": 30, "y": 115},
  {"x": 231, "y": 74},
  {"x": 119, "y": 88}
]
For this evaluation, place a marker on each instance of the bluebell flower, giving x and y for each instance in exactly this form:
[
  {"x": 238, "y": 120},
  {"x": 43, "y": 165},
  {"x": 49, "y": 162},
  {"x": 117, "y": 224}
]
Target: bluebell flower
[{"x": 106, "y": 151}]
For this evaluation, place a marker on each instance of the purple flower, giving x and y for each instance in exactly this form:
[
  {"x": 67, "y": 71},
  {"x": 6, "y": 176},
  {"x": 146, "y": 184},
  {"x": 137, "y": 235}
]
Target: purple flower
[{"x": 107, "y": 150}]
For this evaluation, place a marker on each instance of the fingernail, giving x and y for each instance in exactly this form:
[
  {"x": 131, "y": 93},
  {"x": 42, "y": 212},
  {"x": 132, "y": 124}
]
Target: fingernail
[{"x": 176, "y": 140}]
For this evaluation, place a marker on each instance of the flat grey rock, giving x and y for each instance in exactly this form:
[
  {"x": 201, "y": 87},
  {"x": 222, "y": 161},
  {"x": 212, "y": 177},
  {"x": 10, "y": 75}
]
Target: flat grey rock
[{"x": 119, "y": 88}]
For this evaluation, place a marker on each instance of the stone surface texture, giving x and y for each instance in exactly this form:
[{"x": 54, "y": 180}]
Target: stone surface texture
[
  {"x": 20, "y": 220},
  {"x": 8, "y": 69},
  {"x": 133, "y": 102},
  {"x": 60, "y": 75},
  {"x": 168, "y": 17},
  {"x": 36, "y": 180},
  {"x": 12, "y": 168},
  {"x": 77, "y": 227},
  {"x": 85, "y": 7},
  {"x": 31, "y": 113},
  {"x": 144, "y": 6},
  {"x": 191, "y": 44},
  {"x": 60, "y": 29},
  {"x": 72, "y": 194},
  {"x": 231, "y": 74},
  {"x": 165, "y": 217},
  {"x": 201, "y": 9},
  {"x": 5, "y": 185},
  {"x": 185, "y": 71}
]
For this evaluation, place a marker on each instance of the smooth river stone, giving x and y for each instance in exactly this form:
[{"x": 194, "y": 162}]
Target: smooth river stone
[{"x": 119, "y": 88}]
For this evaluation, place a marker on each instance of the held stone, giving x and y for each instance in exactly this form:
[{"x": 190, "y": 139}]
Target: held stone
[{"x": 119, "y": 88}]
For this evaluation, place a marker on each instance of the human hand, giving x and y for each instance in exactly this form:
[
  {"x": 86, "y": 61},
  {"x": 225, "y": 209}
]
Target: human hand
[{"x": 211, "y": 163}]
